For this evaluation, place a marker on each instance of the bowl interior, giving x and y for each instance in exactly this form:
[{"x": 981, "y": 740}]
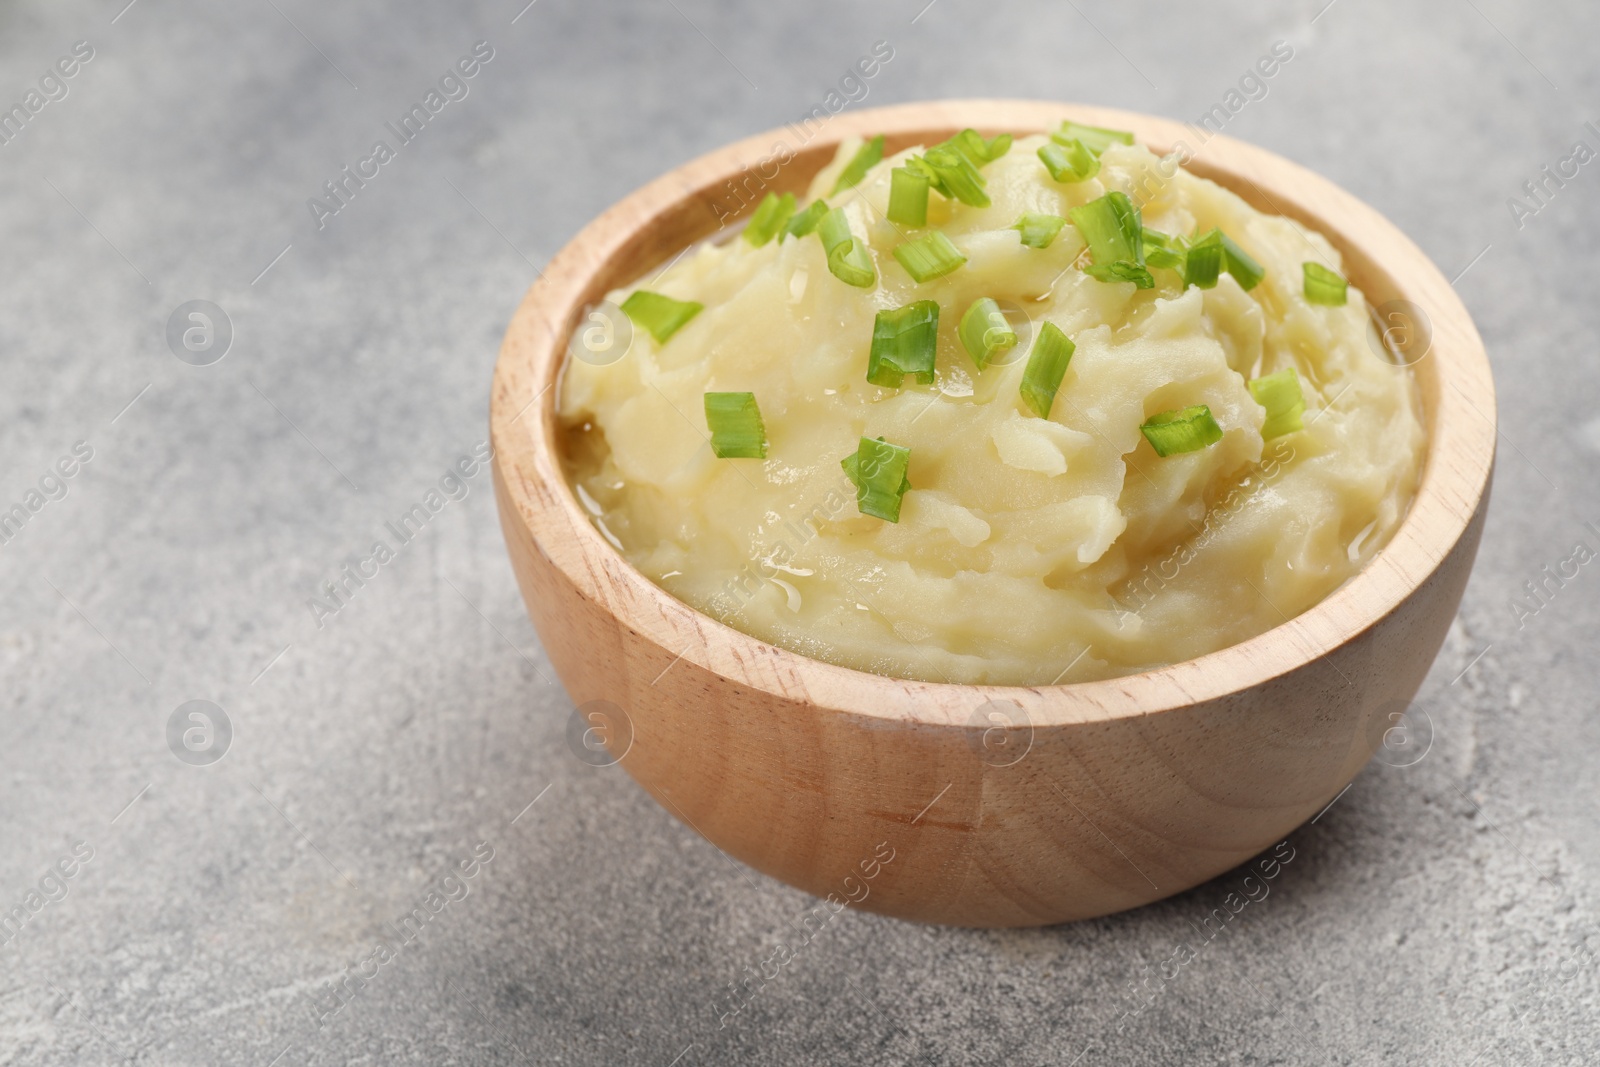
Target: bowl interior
[{"x": 1414, "y": 306}]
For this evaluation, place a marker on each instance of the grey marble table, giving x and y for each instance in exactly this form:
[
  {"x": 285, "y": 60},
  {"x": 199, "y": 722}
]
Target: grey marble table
[{"x": 188, "y": 485}]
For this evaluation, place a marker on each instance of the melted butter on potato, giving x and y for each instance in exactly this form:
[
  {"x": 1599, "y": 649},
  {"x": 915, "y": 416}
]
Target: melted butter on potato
[{"x": 1024, "y": 546}]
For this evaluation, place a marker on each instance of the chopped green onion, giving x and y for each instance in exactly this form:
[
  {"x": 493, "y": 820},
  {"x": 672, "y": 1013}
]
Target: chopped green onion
[
  {"x": 1116, "y": 239},
  {"x": 908, "y": 197},
  {"x": 661, "y": 315},
  {"x": 921, "y": 166},
  {"x": 808, "y": 220},
  {"x": 953, "y": 174},
  {"x": 1111, "y": 227},
  {"x": 1095, "y": 138},
  {"x": 1162, "y": 250},
  {"x": 1069, "y": 161},
  {"x": 1046, "y": 365},
  {"x": 1203, "y": 262},
  {"x": 1121, "y": 271},
  {"x": 1183, "y": 430},
  {"x": 985, "y": 332},
  {"x": 1323, "y": 286},
  {"x": 1280, "y": 394},
  {"x": 972, "y": 145},
  {"x": 737, "y": 431},
  {"x": 1165, "y": 258},
  {"x": 1039, "y": 230},
  {"x": 848, "y": 258},
  {"x": 834, "y": 229},
  {"x": 1246, "y": 271},
  {"x": 866, "y": 157},
  {"x": 930, "y": 256},
  {"x": 878, "y": 470},
  {"x": 851, "y": 263},
  {"x": 769, "y": 218},
  {"x": 904, "y": 341}
]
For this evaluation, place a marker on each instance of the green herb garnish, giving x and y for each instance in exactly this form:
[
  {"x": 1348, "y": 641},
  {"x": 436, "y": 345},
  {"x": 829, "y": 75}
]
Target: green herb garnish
[
  {"x": 1163, "y": 250},
  {"x": 1280, "y": 394},
  {"x": 904, "y": 341},
  {"x": 908, "y": 197},
  {"x": 953, "y": 173},
  {"x": 737, "y": 431},
  {"x": 878, "y": 470},
  {"x": 661, "y": 315},
  {"x": 808, "y": 220},
  {"x": 866, "y": 157},
  {"x": 930, "y": 256},
  {"x": 1202, "y": 262},
  {"x": 1069, "y": 161},
  {"x": 1184, "y": 430},
  {"x": 1323, "y": 286},
  {"x": 848, "y": 258},
  {"x": 1047, "y": 364},
  {"x": 769, "y": 218},
  {"x": 1115, "y": 236},
  {"x": 1039, "y": 230},
  {"x": 1095, "y": 138},
  {"x": 1246, "y": 271},
  {"x": 984, "y": 331}
]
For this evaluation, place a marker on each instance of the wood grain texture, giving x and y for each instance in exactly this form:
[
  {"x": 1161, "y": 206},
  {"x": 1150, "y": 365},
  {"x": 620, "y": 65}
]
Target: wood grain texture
[{"x": 1126, "y": 790}]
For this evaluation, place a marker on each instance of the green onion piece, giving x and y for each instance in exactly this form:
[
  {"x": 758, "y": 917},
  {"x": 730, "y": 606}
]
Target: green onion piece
[
  {"x": 972, "y": 145},
  {"x": 661, "y": 315},
  {"x": 908, "y": 197},
  {"x": 834, "y": 229},
  {"x": 1184, "y": 430},
  {"x": 851, "y": 263},
  {"x": 923, "y": 167},
  {"x": 997, "y": 146},
  {"x": 955, "y": 175},
  {"x": 930, "y": 256},
  {"x": 737, "y": 431},
  {"x": 866, "y": 157},
  {"x": 1116, "y": 239},
  {"x": 808, "y": 220},
  {"x": 1038, "y": 230},
  {"x": 1095, "y": 138},
  {"x": 904, "y": 341},
  {"x": 878, "y": 470},
  {"x": 1323, "y": 286},
  {"x": 1161, "y": 250},
  {"x": 848, "y": 258},
  {"x": 1165, "y": 258},
  {"x": 1111, "y": 227},
  {"x": 1070, "y": 161},
  {"x": 769, "y": 218},
  {"x": 1047, "y": 363},
  {"x": 1203, "y": 262},
  {"x": 1280, "y": 394},
  {"x": 985, "y": 332},
  {"x": 1246, "y": 271},
  {"x": 1122, "y": 271}
]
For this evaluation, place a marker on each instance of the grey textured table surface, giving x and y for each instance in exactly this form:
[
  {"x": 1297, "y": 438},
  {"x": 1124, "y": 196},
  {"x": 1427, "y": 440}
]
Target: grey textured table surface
[{"x": 1438, "y": 913}]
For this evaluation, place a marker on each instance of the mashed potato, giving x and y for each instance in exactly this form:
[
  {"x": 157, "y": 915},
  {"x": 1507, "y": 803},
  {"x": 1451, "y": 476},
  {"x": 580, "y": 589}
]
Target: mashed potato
[{"x": 1027, "y": 550}]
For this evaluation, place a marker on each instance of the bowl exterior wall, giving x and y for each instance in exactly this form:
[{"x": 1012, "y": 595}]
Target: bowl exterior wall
[{"x": 995, "y": 822}]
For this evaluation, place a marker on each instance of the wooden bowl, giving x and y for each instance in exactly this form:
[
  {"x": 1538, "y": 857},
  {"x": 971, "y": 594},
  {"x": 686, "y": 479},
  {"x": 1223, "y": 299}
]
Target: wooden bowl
[{"x": 905, "y": 797}]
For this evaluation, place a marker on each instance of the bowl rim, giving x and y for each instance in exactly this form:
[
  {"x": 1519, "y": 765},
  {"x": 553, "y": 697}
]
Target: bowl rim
[{"x": 1453, "y": 377}]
